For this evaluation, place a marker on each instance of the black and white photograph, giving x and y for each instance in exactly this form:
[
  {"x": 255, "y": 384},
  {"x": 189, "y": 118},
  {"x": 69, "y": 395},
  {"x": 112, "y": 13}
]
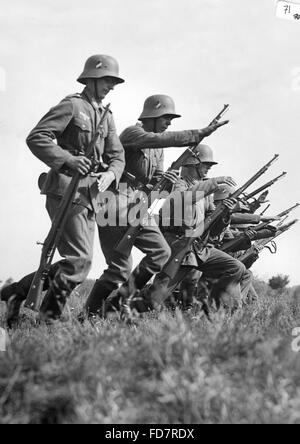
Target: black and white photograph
[{"x": 149, "y": 275}]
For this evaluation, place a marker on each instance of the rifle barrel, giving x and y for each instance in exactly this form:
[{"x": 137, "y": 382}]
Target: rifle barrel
[
  {"x": 286, "y": 212},
  {"x": 266, "y": 186}
]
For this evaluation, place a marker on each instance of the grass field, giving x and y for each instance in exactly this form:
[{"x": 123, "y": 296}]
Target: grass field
[{"x": 170, "y": 368}]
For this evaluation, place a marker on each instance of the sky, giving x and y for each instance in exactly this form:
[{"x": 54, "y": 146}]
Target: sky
[{"x": 203, "y": 53}]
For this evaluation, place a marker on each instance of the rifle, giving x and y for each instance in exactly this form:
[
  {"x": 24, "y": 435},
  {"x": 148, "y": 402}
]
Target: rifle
[
  {"x": 125, "y": 245},
  {"x": 34, "y": 297},
  {"x": 252, "y": 254},
  {"x": 265, "y": 187},
  {"x": 234, "y": 243},
  {"x": 183, "y": 245}
]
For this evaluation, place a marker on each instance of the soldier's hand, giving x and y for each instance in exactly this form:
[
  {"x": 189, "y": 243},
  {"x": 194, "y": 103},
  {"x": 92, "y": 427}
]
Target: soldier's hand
[
  {"x": 80, "y": 164},
  {"x": 105, "y": 180},
  {"x": 230, "y": 203},
  {"x": 226, "y": 180},
  {"x": 212, "y": 128},
  {"x": 172, "y": 176},
  {"x": 270, "y": 218}
]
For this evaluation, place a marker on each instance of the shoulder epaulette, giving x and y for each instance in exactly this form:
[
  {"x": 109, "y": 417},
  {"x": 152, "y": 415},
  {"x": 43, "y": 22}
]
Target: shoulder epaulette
[{"x": 74, "y": 96}]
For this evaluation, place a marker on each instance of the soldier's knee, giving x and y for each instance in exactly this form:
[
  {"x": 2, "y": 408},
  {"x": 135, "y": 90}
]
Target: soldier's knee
[{"x": 240, "y": 269}]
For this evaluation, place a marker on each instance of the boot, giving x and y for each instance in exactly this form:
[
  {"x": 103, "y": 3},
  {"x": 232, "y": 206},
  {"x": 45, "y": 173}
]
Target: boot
[
  {"x": 138, "y": 279},
  {"x": 95, "y": 305},
  {"x": 7, "y": 291},
  {"x": 54, "y": 302}
]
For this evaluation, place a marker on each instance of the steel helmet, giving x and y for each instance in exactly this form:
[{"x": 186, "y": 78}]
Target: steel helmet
[
  {"x": 204, "y": 154},
  {"x": 224, "y": 192},
  {"x": 158, "y": 106},
  {"x": 99, "y": 66}
]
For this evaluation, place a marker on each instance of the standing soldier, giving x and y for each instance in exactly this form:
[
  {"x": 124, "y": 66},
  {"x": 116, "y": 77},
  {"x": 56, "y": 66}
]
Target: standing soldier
[
  {"x": 143, "y": 144},
  {"x": 73, "y": 123}
]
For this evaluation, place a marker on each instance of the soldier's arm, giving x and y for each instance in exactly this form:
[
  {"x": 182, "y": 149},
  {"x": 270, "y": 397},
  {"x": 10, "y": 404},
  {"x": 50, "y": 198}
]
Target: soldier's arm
[
  {"x": 137, "y": 138},
  {"x": 51, "y": 126},
  {"x": 245, "y": 218},
  {"x": 114, "y": 152},
  {"x": 207, "y": 187}
]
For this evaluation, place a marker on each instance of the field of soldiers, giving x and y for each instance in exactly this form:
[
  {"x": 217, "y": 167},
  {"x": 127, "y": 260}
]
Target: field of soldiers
[{"x": 171, "y": 367}]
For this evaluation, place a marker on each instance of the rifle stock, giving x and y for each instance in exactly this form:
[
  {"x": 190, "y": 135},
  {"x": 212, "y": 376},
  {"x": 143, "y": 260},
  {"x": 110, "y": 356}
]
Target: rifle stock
[
  {"x": 34, "y": 296},
  {"x": 125, "y": 245}
]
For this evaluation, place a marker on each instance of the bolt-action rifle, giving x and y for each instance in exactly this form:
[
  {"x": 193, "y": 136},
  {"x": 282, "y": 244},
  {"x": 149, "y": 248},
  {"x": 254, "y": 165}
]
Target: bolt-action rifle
[
  {"x": 125, "y": 245},
  {"x": 233, "y": 244},
  {"x": 182, "y": 246},
  {"x": 34, "y": 297},
  {"x": 252, "y": 254}
]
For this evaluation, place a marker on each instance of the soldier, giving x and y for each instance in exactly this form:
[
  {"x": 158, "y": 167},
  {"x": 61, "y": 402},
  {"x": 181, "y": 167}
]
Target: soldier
[
  {"x": 143, "y": 144},
  {"x": 230, "y": 274},
  {"x": 189, "y": 285},
  {"x": 73, "y": 123}
]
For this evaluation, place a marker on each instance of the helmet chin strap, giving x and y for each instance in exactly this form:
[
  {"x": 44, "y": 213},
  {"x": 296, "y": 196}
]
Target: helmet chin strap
[{"x": 96, "y": 90}]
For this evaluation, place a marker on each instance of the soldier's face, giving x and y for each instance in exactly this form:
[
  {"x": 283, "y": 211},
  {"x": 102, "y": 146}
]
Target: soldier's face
[
  {"x": 104, "y": 86},
  {"x": 163, "y": 123}
]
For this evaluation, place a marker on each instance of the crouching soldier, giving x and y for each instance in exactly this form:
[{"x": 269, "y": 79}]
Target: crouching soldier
[
  {"x": 144, "y": 146},
  {"x": 229, "y": 273},
  {"x": 73, "y": 123}
]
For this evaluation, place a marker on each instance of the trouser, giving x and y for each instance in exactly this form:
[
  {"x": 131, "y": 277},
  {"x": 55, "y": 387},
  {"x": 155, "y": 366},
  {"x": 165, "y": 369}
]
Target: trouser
[
  {"x": 150, "y": 241},
  {"x": 76, "y": 249},
  {"x": 232, "y": 282},
  {"x": 251, "y": 295}
]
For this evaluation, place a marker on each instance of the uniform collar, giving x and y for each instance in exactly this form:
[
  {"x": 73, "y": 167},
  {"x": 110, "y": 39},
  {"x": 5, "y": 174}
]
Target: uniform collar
[{"x": 95, "y": 104}]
